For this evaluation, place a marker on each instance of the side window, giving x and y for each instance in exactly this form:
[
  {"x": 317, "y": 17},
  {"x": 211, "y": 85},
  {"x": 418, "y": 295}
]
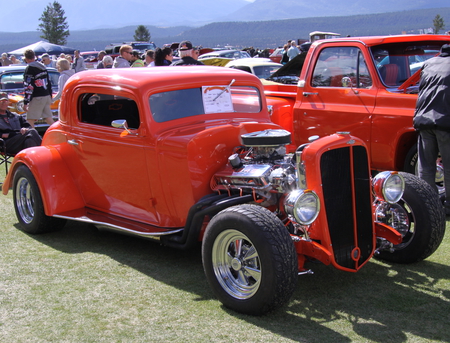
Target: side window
[
  {"x": 341, "y": 67},
  {"x": 176, "y": 104},
  {"x": 103, "y": 109}
]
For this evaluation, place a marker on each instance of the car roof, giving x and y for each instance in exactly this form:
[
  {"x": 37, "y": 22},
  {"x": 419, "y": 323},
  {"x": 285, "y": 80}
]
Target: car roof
[
  {"x": 161, "y": 78},
  {"x": 19, "y": 67},
  {"x": 253, "y": 62},
  {"x": 217, "y": 53},
  {"x": 376, "y": 40}
]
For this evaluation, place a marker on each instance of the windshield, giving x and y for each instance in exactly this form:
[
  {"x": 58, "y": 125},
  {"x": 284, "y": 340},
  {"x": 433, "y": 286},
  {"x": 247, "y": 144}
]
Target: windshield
[
  {"x": 171, "y": 105},
  {"x": 14, "y": 81},
  {"x": 263, "y": 72},
  {"x": 397, "y": 62}
]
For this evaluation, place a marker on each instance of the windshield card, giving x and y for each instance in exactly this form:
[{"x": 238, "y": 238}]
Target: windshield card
[{"x": 217, "y": 99}]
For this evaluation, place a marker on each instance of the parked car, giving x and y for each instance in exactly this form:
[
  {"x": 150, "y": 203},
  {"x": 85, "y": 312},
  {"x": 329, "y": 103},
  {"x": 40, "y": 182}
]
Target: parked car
[
  {"x": 232, "y": 54},
  {"x": 90, "y": 58},
  {"x": 261, "y": 67},
  {"x": 276, "y": 55},
  {"x": 189, "y": 156},
  {"x": 11, "y": 82}
]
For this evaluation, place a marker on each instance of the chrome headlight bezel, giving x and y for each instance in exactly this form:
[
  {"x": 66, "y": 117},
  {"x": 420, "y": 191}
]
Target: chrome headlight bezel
[
  {"x": 302, "y": 205},
  {"x": 388, "y": 186}
]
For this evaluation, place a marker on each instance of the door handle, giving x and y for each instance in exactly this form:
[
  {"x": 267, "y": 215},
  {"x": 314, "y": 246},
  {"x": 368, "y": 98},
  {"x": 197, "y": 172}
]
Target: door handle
[
  {"x": 309, "y": 93},
  {"x": 72, "y": 142}
]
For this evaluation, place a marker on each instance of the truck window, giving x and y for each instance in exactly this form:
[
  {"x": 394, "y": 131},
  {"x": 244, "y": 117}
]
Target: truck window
[
  {"x": 397, "y": 62},
  {"x": 341, "y": 67},
  {"x": 103, "y": 109}
]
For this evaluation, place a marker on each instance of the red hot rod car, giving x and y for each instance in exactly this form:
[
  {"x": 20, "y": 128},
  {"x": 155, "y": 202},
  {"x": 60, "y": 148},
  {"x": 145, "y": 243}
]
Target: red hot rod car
[{"x": 188, "y": 155}]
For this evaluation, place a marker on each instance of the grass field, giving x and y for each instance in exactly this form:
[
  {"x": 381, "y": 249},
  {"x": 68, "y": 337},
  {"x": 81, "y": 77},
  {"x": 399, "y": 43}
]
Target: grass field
[{"x": 83, "y": 285}]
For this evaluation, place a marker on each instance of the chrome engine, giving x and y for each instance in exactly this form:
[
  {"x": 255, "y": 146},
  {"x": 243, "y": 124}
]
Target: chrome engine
[{"x": 260, "y": 165}]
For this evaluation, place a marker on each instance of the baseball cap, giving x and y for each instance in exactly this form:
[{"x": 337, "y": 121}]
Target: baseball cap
[
  {"x": 3, "y": 96},
  {"x": 185, "y": 45},
  {"x": 445, "y": 50}
]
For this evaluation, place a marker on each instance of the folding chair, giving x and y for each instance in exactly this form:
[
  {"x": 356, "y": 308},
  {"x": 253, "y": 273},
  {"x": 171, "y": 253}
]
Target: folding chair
[{"x": 4, "y": 156}]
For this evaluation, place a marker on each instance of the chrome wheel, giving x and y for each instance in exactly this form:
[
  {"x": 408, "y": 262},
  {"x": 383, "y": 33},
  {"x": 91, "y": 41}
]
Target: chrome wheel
[
  {"x": 236, "y": 264},
  {"x": 24, "y": 200}
]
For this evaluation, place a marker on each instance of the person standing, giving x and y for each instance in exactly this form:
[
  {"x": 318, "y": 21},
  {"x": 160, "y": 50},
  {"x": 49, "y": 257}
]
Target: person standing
[
  {"x": 5, "y": 61},
  {"x": 293, "y": 50},
  {"x": 123, "y": 60},
  {"x": 65, "y": 72},
  {"x": 284, "y": 55},
  {"x": 187, "y": 54},
  {"x": 100, "y": 56},
  {"x": 47, "y": 61},
  {"x": 38, "y": 90},
  {"x": 432, "y": 120},
  {"x": 150, "y": 58},
  {"x": 107, "y": 62},
  {"x": 16, "y": 132},
  {"x": 136, "y": 59},
  {"x": 163, "y": 57},
  {"x": 78, "y": 64}
]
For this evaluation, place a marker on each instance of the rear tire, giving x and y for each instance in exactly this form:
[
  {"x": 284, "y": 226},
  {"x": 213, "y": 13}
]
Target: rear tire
[
  {"x": 249, "y": 259},
  {"x": 419, "y": 216},
  {"x": 411, "y": 165},
  {"x": 28, "y": 204}
]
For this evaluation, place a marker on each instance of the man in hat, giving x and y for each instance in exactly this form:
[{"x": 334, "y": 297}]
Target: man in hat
[
  {"x": 136, "y": 59},
  {"x": 187, "y": 54},
  {"x": 15, "y": 131},
  {"x": 432, "y": 120}
]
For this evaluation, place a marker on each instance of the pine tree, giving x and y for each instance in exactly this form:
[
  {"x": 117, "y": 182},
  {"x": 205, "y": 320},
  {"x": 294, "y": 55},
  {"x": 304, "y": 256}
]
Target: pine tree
[
  {"x": 142, "y": 34},
  {"x": 53, "y": 24},
  {"x": 438, "y": 23}
]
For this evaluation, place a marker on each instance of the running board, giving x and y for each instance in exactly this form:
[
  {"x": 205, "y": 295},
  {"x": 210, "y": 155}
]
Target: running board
[{"x": 115, "y": 223}]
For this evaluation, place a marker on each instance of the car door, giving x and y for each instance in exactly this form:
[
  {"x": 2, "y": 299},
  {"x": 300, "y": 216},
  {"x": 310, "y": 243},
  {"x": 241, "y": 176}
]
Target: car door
[
  {"x": 337, "y": 95},
  {"x": 109, "y": 164}
]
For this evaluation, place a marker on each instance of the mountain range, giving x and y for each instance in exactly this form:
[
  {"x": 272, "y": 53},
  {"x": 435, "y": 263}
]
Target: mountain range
[
  {"x": 258, "y": 33},
  {"x": 23, "y": 15}
]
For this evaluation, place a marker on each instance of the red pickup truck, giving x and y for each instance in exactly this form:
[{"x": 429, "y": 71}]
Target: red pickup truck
[{"x": 363, "y": 85}]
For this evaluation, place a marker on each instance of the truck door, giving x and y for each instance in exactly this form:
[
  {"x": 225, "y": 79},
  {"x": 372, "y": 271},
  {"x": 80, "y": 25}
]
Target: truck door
[{"x": 336, "y": 94}]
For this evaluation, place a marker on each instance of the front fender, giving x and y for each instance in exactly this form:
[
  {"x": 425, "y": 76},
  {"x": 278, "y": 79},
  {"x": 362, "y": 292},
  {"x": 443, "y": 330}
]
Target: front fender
[{"x": 58, "y": 190}]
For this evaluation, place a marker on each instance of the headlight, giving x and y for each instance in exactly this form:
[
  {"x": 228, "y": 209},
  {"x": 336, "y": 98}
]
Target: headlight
[
  {"x": 388, "y": 186},
  {"x": 303, "y": 205}
]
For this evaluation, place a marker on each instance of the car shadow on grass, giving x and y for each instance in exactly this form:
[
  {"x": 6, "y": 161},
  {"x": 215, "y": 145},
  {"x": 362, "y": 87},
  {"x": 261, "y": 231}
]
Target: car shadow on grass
[{"x": 383, "y": 302}]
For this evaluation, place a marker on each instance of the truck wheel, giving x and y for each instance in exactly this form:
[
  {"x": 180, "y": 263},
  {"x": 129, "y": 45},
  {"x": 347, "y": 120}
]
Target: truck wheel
[
  {"x": 420, "y": 218},
  {"x": 249, "y": 259},
  {"x": 411, "y": 163},
  {"x": 28, "y": 205}
]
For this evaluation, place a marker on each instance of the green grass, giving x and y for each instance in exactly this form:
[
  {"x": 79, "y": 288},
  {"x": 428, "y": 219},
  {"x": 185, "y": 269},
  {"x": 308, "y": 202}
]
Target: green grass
[{"x": 83, "y": 285}]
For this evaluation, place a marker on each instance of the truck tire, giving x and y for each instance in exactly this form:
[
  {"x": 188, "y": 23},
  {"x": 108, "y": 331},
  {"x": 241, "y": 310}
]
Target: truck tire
[
  {"x": 410, "y": 166},
  {"x": 420, "y": 218},
  {"x": 28, "y": 204},
  {"x": 249, "y": 259}
]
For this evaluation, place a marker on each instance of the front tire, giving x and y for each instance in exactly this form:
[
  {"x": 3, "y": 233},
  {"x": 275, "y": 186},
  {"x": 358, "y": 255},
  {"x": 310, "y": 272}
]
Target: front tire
[
  {"x": 28, "y": 204},
  {"x": 419, "y": 217},
  {"x": 249, "y": 259}
]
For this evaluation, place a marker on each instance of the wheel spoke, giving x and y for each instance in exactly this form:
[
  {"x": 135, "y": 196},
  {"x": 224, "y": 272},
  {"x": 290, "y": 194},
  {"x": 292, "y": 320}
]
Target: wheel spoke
[
  {"x": 250, "y": 254},
  {"x": 253, "y": 272},
  {"x": 238, "y": 247}
]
